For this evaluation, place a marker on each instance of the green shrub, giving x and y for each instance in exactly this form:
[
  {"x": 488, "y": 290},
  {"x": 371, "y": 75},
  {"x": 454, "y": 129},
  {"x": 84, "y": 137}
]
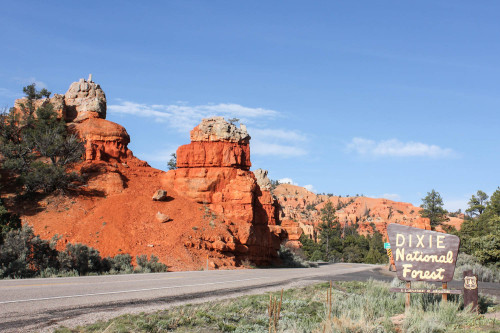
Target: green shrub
[
  {"x": 81, "y": 258},
  {"x": 149, "y": 266},
  {"x": 24, "y": 254}
]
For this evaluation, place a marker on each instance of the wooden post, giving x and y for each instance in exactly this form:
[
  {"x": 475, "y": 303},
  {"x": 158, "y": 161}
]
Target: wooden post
[
  {"x": 445, "y": 296},
  {"x": 207, "y": 262},
  {"x": 407, "y": 303},
  {"x": 470, "y": 290}
]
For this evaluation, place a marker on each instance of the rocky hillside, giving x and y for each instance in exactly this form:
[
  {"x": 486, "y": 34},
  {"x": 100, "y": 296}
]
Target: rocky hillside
[
  {"x": 211, "y": 207},
  {"x": 301, "y": 208}
]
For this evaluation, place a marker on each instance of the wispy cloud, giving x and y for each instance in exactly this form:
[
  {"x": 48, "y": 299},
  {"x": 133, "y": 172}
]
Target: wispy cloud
[
  {"x": 394, "y": 147},
  {"x": 184, "y": 117},
  {"x": 391, "y": 196},
  {"x": 284, "y": 150},
  {"x": 310, "y": 188}
]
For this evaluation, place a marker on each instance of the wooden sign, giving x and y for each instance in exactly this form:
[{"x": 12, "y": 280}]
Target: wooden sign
[
  {"x": 426, "y": 291},
  {"x": 423, "y": 255}
]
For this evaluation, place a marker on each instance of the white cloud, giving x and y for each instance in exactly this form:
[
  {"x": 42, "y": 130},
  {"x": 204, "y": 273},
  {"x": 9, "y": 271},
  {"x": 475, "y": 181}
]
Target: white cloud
[
  {"x": 265, "y": 148},
  {"x": 287, "y": 181},
  {"x": 310, "y": 188},
  {"x": 291, "y": 182},
  {"x": 394, "y": 147},
  {"x": 184, "y": 117},
  {"x": 391, "y": 196}
]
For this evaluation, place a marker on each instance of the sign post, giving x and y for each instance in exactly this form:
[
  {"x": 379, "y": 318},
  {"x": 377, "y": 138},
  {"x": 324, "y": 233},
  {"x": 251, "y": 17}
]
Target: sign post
[
  {"x": 470, "y": 290},
  {"x": 423, "y": 255}
]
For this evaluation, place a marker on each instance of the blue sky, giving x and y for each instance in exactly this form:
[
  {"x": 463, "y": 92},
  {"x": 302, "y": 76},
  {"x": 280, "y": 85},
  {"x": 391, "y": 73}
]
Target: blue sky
[{"x": 381, "y": 98}]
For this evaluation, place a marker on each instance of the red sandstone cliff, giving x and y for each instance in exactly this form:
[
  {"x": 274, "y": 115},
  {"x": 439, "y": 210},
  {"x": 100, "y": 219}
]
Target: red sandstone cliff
[
  {"x": 213, "y": 170},
  {"x": 214, "y": 209},
  {"x": 301, "y": 208}
]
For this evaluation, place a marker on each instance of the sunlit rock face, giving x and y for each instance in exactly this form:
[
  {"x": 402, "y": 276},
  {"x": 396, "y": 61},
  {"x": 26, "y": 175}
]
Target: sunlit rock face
[{"x": 214, "y": 170}]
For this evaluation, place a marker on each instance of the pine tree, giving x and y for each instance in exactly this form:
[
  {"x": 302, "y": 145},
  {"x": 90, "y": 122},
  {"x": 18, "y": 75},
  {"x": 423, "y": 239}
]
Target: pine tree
[
  {"x": 36, "y": 145},
  {"x": 432, "y": 208}
]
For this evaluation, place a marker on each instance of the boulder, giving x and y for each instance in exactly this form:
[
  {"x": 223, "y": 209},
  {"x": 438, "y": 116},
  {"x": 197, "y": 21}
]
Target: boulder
[
  {"x": 160, "y": 195},
  {"x": 162, "y": 218}
]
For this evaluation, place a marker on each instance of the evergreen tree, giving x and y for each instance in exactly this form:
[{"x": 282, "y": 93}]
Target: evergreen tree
[
  {"x": 329, "y": 233},
  {"x": 480, "y": 235},
  {"x": 172, "y": 163},
  {"x": 477, "y": 204},
  {"x": 37, "y": 146},
  {"x": 432, "y": 207}
]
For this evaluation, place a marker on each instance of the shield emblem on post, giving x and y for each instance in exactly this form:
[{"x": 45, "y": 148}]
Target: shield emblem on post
[{"x": 470, "y": 282}]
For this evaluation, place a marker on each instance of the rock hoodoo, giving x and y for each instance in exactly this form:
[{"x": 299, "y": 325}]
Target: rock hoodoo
[
  {"x": 85, "y": 100},
  {"x": 213, "y": 170},
  {"x": 83, "y": 107}
]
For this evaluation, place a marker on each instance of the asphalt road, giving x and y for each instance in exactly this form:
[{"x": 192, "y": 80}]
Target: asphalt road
[{"x": 43, "y": 304}]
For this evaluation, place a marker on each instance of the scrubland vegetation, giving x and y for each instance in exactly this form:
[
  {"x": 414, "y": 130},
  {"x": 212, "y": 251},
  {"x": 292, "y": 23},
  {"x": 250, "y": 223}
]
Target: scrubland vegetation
[
  {"x": 24, "y": 255},
  {"x": 354, "y": 307}
]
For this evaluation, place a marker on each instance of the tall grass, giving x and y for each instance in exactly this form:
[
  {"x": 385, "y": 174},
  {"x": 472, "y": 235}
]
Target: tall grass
[{"x": 362, "y": 307}]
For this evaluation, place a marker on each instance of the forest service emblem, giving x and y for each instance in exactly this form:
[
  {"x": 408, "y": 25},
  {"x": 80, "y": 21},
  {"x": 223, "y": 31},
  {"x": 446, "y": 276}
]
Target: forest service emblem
[{"x": 470, "y": 282}]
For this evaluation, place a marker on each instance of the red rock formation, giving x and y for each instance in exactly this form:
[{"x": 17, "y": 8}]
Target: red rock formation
[
  {"x": 303, "y": 208},
  {"x": 213, "y": 170},
  {"x": 104, "y": 140},
  {"x": 57, "y": 102}
]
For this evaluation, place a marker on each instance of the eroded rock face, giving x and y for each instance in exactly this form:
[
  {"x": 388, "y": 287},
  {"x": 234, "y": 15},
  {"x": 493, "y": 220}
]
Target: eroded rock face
[
  {"x": 57, "y": 102},
  {"x": 303, "y": 208},
  {"x": 214, "y": 154},
  {"x": 213, "y": 170},
  {"x": 104, "y": 140},
  {"x": 84, "y": 100},
  {"x": 262, "y": 179}
]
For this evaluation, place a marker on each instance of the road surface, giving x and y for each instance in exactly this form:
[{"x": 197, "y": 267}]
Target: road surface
[{"x": 43, "y": 304}]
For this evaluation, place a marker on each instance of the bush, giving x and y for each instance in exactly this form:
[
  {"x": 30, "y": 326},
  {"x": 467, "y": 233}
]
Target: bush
[
  {"x": 24, "y": 254},
  {"x": 8, "y": 222},
  {"x": 121, "y": 263},
  {"x": 80, "y": 258},
  {"x": 291, "y": 258},
  {"x": 149, "y": 266}
]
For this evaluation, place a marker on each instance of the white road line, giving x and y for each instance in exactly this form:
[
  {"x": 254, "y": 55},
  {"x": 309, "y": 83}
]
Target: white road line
[{"x": 127, "y": 291}]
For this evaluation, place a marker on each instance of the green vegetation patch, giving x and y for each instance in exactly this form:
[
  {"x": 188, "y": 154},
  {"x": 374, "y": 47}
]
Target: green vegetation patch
[{"x": 355, "y": 307}]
